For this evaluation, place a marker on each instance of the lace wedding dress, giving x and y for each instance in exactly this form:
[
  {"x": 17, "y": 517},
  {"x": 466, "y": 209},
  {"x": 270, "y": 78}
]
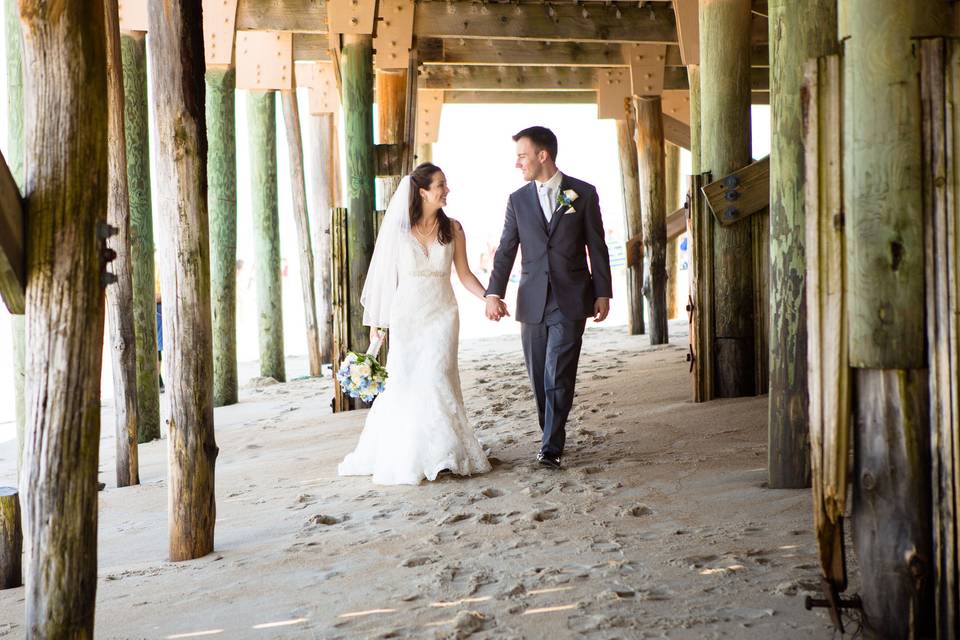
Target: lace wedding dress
[{"x": 418, "y": 426}]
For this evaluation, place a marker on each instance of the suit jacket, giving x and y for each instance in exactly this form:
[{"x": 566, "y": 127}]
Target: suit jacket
[{"x": 554, "y": 255}]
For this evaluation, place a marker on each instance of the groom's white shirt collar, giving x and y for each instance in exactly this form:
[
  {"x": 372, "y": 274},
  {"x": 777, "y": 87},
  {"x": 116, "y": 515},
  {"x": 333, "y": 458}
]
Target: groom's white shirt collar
[{"x": 553, "y": 184}]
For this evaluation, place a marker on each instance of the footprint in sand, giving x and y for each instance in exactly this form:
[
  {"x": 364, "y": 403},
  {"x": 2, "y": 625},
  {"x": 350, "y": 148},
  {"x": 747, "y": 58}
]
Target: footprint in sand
[
  {"x": 417, "y": 561},
  {"x": 303, "y": 501},
  {"x": 454, "y": 518},
  {"x": 490, "y": 518},
  {"x": 543, "y": 515},
  {"x": 325, "y": 520},
  {"x": 636, "y": 511}
]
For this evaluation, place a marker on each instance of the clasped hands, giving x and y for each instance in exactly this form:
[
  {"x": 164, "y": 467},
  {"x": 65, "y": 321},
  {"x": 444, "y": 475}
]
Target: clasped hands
[{"x": 496, "y": 308}]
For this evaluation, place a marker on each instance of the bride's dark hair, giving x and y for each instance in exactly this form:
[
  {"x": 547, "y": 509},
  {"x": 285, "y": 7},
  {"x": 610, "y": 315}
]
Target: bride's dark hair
[{"x": 422, "y": 177}]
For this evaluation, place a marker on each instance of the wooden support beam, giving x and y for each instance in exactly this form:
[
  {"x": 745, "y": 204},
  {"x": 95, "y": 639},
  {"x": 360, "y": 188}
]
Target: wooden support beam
[
  {"x": 64, "y": 49},
  {"x": 222, "y": 204},
  {"x": 322, "y": 162},
  {"x": 11, "y": 539},
  {"x": 688, "y": 30},
  {"x": 133, "y": 50},
  {"x": 291, "y": 118},
  {"x": 725, "y": 128},
  {"x": 673, "y": 199},
  {"x": 676, "y": 132},
  {"x": 650, "y": 143},
  {"x": 15, "y": 146},
  {"x": 598, "y": 23},
  {"x": 177, "y": 82},
  {"x": 357, "y": 72},
  {"x": 122, "y": 337},
  {"x": 630, "y": 183},
  {"x": 740, "y": 194},
  {"x": 12, "y": 250},
  {"x": 307, "y": 16},
  {"x": 261, "y": 118},
  {"x": 797, "y": 33},
  {"x": 520, "y": 97}
]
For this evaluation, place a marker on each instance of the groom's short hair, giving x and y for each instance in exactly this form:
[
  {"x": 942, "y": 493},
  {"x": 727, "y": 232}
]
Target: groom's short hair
[{"x": 542, "y": 139}]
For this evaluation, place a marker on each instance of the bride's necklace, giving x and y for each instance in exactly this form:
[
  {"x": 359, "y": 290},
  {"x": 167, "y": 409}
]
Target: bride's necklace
[{"x": 428, "y": 234}]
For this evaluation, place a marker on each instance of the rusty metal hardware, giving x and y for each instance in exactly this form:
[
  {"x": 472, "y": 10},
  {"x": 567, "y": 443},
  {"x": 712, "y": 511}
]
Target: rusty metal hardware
[
  {"x": 834, "y": 602},
  {"x": 731, "y": 182},
  {"x": 105, "y": 230},
  {"x": 731, "y": 213},
  {"x": 731, "y": 195}
]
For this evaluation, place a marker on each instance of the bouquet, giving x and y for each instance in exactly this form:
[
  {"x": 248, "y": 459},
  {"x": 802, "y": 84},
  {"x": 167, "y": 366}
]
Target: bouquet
[{"x": 361, "y": 375}]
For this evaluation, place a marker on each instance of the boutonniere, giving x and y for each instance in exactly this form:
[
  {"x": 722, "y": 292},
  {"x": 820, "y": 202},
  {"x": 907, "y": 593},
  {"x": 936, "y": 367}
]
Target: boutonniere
[{"x": 565, "y": 199}]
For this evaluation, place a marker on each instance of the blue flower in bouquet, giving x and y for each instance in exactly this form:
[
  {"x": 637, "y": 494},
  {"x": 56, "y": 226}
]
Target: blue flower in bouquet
[{"x": 361, "y": 376}]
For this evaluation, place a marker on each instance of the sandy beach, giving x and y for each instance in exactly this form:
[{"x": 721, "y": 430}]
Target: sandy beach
[{"x": 658, "y": 526}]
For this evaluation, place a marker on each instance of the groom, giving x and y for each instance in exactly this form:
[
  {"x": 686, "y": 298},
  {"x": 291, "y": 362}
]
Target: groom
[{"x": 553, "y": 219}]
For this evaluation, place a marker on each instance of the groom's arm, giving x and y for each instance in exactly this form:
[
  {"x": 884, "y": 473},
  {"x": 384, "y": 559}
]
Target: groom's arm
[
  {"x": 597, "y": 246},
  {"x": 506, "y": 254}
]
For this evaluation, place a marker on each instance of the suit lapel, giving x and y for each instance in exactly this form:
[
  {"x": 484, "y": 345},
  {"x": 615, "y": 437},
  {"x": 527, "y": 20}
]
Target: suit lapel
[
  {"x": 558, "y": 211},
  {"x": 536, "y": 208}
]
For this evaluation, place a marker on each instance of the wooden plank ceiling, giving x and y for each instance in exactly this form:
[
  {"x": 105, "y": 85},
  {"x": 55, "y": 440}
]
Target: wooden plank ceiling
[{"x": 517, "y": 51}]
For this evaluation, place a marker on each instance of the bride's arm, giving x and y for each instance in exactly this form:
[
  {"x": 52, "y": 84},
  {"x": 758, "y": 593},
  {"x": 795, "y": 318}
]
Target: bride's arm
[{"x": 466, "y": 276}]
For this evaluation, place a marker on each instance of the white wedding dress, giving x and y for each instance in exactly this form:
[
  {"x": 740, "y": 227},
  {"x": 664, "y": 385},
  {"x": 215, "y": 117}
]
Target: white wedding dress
[{"x": 418, "y": 426}]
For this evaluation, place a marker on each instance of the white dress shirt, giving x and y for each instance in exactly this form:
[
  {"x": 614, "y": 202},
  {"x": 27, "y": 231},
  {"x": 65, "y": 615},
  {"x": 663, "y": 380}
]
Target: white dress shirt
[{"x": 547, "y": 193}]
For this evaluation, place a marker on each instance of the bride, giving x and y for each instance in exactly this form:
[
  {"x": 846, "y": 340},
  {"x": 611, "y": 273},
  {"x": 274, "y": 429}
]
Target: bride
[{"x": 418, "y": 426}]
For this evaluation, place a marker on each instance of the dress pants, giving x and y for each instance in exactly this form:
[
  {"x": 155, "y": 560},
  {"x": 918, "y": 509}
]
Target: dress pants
[{"x": 551, "y": 349}]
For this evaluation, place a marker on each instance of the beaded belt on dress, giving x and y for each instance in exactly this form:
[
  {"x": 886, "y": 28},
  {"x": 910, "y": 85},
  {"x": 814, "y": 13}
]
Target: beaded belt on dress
[{"x": 424, "y": 273}]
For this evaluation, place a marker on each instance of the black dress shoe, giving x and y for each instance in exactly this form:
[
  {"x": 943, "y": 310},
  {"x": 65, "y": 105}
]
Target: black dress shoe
[{"x": 549, "y": 461}]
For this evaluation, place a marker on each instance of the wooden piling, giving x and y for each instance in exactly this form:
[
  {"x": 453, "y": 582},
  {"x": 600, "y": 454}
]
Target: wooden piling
[
  {"x": 176, "y": 53},
  {"x": 357, "y": 71},
  {"x": 797, "y": 32},
  {"x": 725, "y": 147},
  {"x": 65, "y": 111},
  {"x": 221, "y": 85},
  {"x": 291, "y": 117},
  {"x": 123, "y": 344},
  {"x": 261, "y": 118},
  {"x": 133, "y": 50},
  {"x": 14, "y": 157},
  {"x": 322, "y": 187},
  {"x": 633, "y": 222},
  {"x": 391, "y": 95},
  {"x": 671, "y": 169},
  {"x": 11, "y": 538},
  {"x": 653, "y": 209}
]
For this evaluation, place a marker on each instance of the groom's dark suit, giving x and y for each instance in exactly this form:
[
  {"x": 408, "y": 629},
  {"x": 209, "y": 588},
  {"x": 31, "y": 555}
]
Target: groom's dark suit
[{"x": 557, "y": 292}]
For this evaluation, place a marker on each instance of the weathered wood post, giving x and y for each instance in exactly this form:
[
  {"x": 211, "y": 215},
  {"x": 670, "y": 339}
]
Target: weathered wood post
[
  {"x": 323, "y": 189},
  {"x": 653, "y": 209},
  {"x": 14, "y": 158},
  {"x": 884, "y": 225},
  {"x": 674, "y": 201},
  {"x": 11, "y": 537},
  {"x": 357, "y": 71},
  {"x": 797, "y": 33},
  {"x": 630, "y": 182},
  {"x": 725, "y": 147},
  {"x": 177, "y": 79},
  {"x": 391, "y": 97},
  {"x": 137, "y": 135},
  {"x": 221, "y": 83},
  {"x": 291, "y": 117},
  {"x": 261, "y": 119},
  {"x": 123, "y": 344},
  {"x": 65, "y": 110}
]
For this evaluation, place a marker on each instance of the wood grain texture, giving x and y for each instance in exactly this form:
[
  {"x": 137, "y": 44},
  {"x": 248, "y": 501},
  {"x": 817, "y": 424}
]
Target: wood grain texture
[
  {"x": 177, "y": 82},
  {"x": 650, "y": 144},
  {"x": 321, "y": 189},
  {"x": 12, "y": 221},
  {"x": 885, "y": 248},
  {"x": 308, "y": 16},
  {"x": 12, "y": 244},
  {"x": 748, "y": 194},
  {"x": 133, "y": 49},
  {"x": 520, "y": 78},
  {"x": 633, "y": 223},
  {"x": 65, "y": 129},
  {"x": 261, "y": 119},
  {"x": 11, "y": 539},
  {"x": 599, "y": 23},
  {"x": 391, "y": 96},
  {"x": 222, "y": 206},
  {"x": 725, "y": 147},
  {"x": 700, "y": 303},
  {"x": 357, "y": 70},
  {"x": 671, "y": 173},
  {"x": 123, "y": 342},
  {"x": 796, "y": 34},
  {"x": 291, "y": 119}
]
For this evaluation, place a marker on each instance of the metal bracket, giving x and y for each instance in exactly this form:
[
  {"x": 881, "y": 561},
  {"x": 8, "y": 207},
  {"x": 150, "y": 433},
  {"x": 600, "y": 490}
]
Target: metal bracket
[
  {"x": 264, "y": 60},
  {"x": 647, "y": 63},
  {"x": 834, "y": 602},
  {"x": 613, "y": 92},
  {"x": 133, "y": 15},
  {"x": 394, "y": 34},
  {"x": 357, "y": 17}
]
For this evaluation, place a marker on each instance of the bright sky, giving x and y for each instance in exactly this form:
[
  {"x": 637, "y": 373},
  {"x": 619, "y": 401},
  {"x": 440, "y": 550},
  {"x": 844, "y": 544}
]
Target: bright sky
[{"x": 477, "y": 154}]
